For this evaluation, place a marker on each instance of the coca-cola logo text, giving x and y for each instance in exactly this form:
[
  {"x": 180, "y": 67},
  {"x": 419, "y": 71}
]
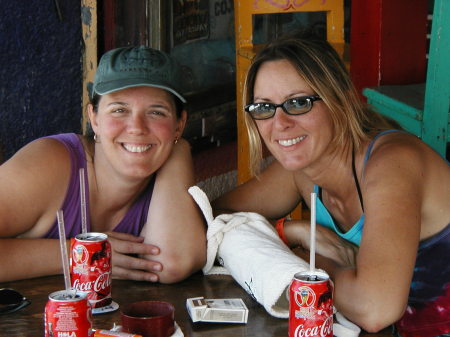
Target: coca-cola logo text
[
  {"x": 325, "y": 330},
  {"x": 102, "y": 282}
]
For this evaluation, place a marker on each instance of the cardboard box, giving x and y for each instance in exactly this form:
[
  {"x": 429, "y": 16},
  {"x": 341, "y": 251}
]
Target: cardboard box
[{"x": 224, "y": 310}]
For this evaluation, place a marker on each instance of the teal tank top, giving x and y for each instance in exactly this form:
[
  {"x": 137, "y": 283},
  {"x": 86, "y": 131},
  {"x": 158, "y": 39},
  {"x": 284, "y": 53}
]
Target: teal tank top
[{"x": 324, "y": 218}]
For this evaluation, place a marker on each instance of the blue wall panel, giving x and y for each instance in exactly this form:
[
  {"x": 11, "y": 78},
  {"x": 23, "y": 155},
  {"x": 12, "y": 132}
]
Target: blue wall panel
[{"x": 40, "y": 70}]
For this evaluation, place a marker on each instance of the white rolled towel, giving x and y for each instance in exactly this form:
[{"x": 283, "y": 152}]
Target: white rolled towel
[{"x": 249, "y": 248}]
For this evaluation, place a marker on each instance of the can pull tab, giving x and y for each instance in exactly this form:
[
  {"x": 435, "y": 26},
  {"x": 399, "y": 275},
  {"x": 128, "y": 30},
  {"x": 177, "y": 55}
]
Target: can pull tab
[{"x": 313, "y": 278}]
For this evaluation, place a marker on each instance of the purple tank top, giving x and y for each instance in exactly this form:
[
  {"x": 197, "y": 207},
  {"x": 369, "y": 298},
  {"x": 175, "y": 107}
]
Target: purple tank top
[{"x": 132, "y": 222}]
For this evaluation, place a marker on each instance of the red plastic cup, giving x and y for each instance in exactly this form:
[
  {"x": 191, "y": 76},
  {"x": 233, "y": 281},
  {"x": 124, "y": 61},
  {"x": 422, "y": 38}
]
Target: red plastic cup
[{"x": 149, "y": 318}]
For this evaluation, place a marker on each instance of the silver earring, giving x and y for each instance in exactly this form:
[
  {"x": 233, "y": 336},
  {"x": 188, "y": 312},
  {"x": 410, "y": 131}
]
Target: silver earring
[
  {"x": 176, "y": 140},
  {"x": 95, "y": 138}
]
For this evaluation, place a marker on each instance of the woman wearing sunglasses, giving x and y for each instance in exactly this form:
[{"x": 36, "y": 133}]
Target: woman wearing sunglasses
[
  {"x": 137, "y": 170},
  {"x": 383, "y": 196}
]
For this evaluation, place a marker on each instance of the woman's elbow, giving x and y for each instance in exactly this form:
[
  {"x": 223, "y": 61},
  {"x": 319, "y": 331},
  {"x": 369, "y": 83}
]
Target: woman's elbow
[
  {"x": 377, "y": 320},
  {"x": 178, "y": 268},
  {"x": 373, "y": 326}
]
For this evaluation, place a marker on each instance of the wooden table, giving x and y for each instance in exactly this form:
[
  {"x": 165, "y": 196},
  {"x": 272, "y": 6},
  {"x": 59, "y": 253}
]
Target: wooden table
[{"x": 29, "y": 322}]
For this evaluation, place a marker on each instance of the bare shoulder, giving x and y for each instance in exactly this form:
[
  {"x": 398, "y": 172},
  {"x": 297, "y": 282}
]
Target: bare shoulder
[
  {"x": 35, "y": 177},
  {"x": 400, "y": 151},
  {"x": 45, "y": 150},
  {"x": 402, "y": 165}
]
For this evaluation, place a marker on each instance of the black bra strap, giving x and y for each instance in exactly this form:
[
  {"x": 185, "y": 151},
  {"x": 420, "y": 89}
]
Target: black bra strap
[
  {"x": 356, "y": 183},
  {"x": 356, "y": 180}
]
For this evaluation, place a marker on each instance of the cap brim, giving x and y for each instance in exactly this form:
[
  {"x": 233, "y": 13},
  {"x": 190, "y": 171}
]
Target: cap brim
[{"x": 107, "y": 88}]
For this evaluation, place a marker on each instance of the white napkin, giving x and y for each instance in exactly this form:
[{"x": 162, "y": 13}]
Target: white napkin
[
  {"x": 344, "y": 327},
  {"x": 249, "y": 248},
  {"x": 178, "y": 332}
]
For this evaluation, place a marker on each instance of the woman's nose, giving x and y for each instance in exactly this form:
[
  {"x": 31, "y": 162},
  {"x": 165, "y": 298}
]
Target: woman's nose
[
  {"x": 137, "y": 124},
  {"x": 281, "y": 119}
]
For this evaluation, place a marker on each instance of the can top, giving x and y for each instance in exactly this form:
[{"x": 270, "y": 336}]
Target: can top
[
  {"x": 67, "y": 296},
  {"x": 315, "y": 276},
  {"x": 91, "y": 237}
]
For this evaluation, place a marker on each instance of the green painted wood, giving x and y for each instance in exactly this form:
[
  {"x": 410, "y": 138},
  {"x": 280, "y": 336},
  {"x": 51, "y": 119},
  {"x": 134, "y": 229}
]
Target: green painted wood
[
  {"x": 435, "y": 129},
  {"x": 409, "y": 117}
]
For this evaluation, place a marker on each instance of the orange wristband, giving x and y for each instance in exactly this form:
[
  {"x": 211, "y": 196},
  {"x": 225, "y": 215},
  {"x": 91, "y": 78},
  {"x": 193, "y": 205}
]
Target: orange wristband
[{"x": 280, "y": 229}]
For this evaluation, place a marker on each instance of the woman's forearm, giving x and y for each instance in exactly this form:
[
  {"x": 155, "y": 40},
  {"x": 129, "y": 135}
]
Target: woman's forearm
[
  {"x": 27, "y": 258},
  {"x": 175, "y": 223},
  {"x": 369, "y": 302}
]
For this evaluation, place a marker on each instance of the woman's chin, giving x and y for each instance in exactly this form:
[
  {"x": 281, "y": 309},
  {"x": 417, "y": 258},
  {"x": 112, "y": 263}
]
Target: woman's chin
[
  {"x": 291, "y": 165},
  {"x": 138, "y": 172}
]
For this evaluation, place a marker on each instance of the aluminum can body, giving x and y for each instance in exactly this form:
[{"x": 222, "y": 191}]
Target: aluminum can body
[
  {"x": 68, "y": 314},
  {"x": 311, "y": 305},
  {"x": 90, "y": 267}
]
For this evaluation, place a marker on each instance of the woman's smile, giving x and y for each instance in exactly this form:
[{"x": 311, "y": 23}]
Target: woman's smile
[
  {"x": 290, "y": 142},
  {"x": 136, "y": 148}
]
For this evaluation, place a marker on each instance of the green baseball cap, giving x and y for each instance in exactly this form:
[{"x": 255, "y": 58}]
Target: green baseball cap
[{"x": 128, "y": 67}]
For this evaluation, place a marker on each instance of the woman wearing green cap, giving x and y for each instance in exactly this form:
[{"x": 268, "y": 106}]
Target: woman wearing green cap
[{"x": 134, "y": 172}]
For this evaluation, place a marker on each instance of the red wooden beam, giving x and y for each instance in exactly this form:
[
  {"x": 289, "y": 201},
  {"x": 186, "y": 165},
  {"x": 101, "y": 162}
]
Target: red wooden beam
[
  {"x": 388, "y": 42},
  {"x": 109, "y": 25}
]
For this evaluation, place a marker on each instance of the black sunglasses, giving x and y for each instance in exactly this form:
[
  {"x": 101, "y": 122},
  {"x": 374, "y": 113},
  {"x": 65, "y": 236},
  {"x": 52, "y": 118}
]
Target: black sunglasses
[
  {"x": 292, "y": 106},
  {"x": 11, "y": 301}
]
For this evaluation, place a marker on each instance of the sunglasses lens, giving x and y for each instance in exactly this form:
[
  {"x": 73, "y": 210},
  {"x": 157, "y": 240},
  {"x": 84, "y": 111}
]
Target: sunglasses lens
[
  {"x": 10, "y": 296},
  {"x": 297, "y": 106},
  {"x": 293, "y": 106},
  {"x": 261, "y": 110}
]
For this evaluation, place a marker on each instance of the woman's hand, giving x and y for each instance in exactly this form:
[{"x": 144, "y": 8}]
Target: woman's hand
[
  {"x": 127, "y": 264},
  {"x": 328, "y": 243}
]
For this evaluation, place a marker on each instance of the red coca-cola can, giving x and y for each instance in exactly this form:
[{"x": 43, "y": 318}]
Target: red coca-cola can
[
  {"x": 311, "y": 305},
  {"x": 68, "y": 313},
  {"x": 90, "y": 267}
]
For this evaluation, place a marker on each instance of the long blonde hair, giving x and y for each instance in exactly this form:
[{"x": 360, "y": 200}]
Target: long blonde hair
[{"x": 323, "y": 70}]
